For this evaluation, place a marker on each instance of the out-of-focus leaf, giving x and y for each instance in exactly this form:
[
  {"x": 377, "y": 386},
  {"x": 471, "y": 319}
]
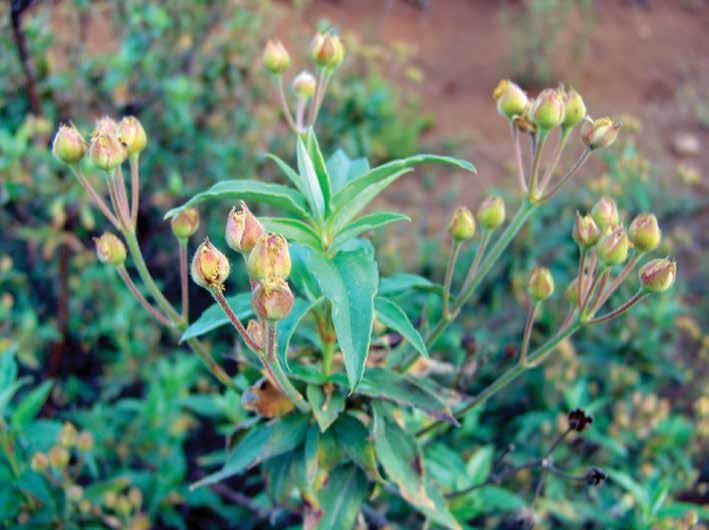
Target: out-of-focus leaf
[
  {"x": 403, "y": 282},
  {"x": 30, "y": 405},
  {"x": 214, "y": 317},
  {"x": 326, "y": 408},
  {"x": 393, "y": 316},
  {"x": 354, "y": 438},
  {"x": 340, "y": 501}
]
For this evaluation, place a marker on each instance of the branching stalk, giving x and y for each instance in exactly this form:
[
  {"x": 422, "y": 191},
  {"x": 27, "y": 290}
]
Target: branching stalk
[
  {"x": 139, "y": 296},
  {"x": 579, "y": 162},
  {"x": 98, "y": 201},
  {"x": 521, "y": 177},
  {"x": 184, "y": 284},
  {"x": 134, "y": 189},
  {"x": 533, "y": 309},
  {"x": 563, "y": 139},
  {"x": 281, "y": 379},
  {"x": 284, "y": 102},
  {"x": 452, "y": 259},
  {"x": 637, "y": 297}
]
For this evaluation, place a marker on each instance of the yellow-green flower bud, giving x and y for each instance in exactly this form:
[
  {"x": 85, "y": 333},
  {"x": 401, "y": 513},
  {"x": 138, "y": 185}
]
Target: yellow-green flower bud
[
  {"x": 586, "y": 232},
  {"x": 185, "y": 223},
  {"x": 269, "y": 258},
  {"x": 304, "y": 85},
  {"x": 136, "y": 497},
  {"x": 547, "y": 110},
  {"x": 110, "y": 249},
  {"x": 462, "y": 224},
  {"x": 272, "y": 299},
  {"x": 572, "y": 291},
  {"x": 574, "y": 109},
  {"x": 68, "y": 435},
  {"x": 59, "y": 457},
  {"x": 85, "y": 442},
  {"x": 327, "y": 50},
  {"x": 599, "y": 133},
  {"x": 491, "y": 213},
  {"x": 541, "y": 284},
  {"x": 75, "y": 493},
  {"x": 132, "y": 135},
  {"x": 658, "y": 275},
  {"x": 110, "y": 499},
  {"x": 644, "y": 232},
  {"x": 69, "y": 145},
  {"x": 612, "y": 249},
  {"x": 39, "y": 462},
  {"x": 107, "y": 152},
  {"x": 275, "y": 57},
  {"x": 605, "y": 213},
  {"x": 242, "y": 229},
  {"x": 510, "y": 99},
  {"x": 210, "y": 268}
]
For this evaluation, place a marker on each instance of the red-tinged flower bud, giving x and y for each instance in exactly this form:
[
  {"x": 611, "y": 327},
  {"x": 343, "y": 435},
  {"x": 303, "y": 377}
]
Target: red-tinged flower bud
[
  {"x": 275, "y": 57},
  {"x": 185, "y": 223},
  {"x": 658, "y": 275},
  {"x": 574, "y": 109},
  {"x": 269, "y": 258},
  {"x": 272, "y": 299},
  {"x": 586, "y": 232},
  {"x": 599, "y": 133},
  {"x": 69, "y": 145},
  {"x": 68, "y": 435},
  {"x": 605, "y": 213},
  {"x": 39, "y": 462},
  {"x": 132, "y": 135},
  {"x": 327, "y": 50},
  {"x": 105, "y": 125},
  {"x": 75, "y": 493},
  {"x": 242, "y": 229},
  {"x": 612, "y": 249},
  {"x": 462, "y": 224},
  {"x": 255, "y": 332},
  {"x": 59, "y": 457},
  {"x": 85, "y": 442},
  {"x": 541, "y": 284},
  {"x": 491, "y": 213},
  {"x": 572, "y": 292},
  {"x": 510, "y": 99},
  {"x": 304, "y": 85},
  {"x": 210, "y": 268},
  {"x": 547, "y": 110},
  {"x": 107, "y": 152},
  {"x": 644, "y": 232},
  {"x": 110, "y": 249}
]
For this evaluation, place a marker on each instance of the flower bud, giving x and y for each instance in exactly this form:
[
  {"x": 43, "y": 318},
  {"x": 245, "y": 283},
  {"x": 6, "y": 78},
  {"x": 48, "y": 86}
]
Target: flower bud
[
  {"x": 210, "y": 268},
  {"x": 547, "y": 110},
  {"x": 269, "y": 258},
  {"x": 107, "y": 152},
  {"x": 39, "y": 462},
  {"x": 110, "y": 249},
  {"x": 644, "y": 232},
  {"x": 85, "y": 442},
  {"x": 132, "y": 135},
  {"x": 586, "y": 232},
  {"x": 254, "y": 330},
  {"x": 75, "y": 492},
  {"x": 59, "y": 457},
  {"x": 599, "y": 133},
  {"x": 462, "y": 224},
  {"x": 612, "y": 249},
  {"x": 275, "y": 57},
  {"x": 327, "y": 50},
  {"x": 541, "y": 284},
  {"x": 67, "y": 436},
  {"x": 574, "y": 109},
  {"x": 491, "y": 213},
  {"x": 185, "y": 223},
  {"x": 595, "y": 476},
  {"x": 572, "y": 292},
  {"x": 658, "y": 275},
  {"x": 272, "y": 299},
  {"x": 510, "y": 99},
  {"x": 69, "y": 146},
  {"x": 605, "y": 213},
  {"x": 525, "y": 124},
  {"x": 242, "y": 229},
  {"x": 579, "y": 420},
  {"x": 304, "y": 85}
]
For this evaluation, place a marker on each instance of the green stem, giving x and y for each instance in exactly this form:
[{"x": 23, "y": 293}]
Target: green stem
[
  {"x": 327, "y": 355},
  {"x": 281, "y": 379},
  {"x": 565, "y": 131},
  {"x": 620, "y": 310},
  {"x": 528, "y": 333},
  {"x": 542, "y": 136},
  {"x": 134, "y": 189},
  {"x": 452, "y": 259},
  {"x": 521, "y": 178},
  {"x": 184, "y": 283}
]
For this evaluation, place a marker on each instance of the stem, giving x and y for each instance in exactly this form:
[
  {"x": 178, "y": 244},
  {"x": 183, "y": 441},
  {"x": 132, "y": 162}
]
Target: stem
[
  {"x": 281, "y": 379},
  {"x": 556, "y": 159},
  {"x": 323, "y": 80},
  {"x": 328, "y": 352},
  {"x": 542, "y": 136},
  {"x": 284, "y": 102},
  {"x": 620, "y": 310},
  {"x": 590, "y": 292},
  {"x": 116, "y": 202},
  {"x": 299, "y": 112},
  {"x": 618, "y": 280},
  {"x": 98, "y": 201},
  {"x": 528, "y": 333},
  {"x": 224, "y": 304},
  {"x": 599, "y": 292},
  {"x": 522, "y": 179},
  {"x": 139, "y": 296},
  {"x": 211, "y": 364},
  {"x": 580, "y": 280},
  {"x": 134, "y": 189},
  {"x": 470, "y": 276},
  {"x": 121, "y": 194},
  {"x": 184, "y": 285},
  {"x": 579, "y": 162},
  {"x": 452, "y": 259}
]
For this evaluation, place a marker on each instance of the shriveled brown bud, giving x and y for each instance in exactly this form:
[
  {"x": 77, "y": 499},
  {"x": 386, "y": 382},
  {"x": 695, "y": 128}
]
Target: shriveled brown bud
[
  {"x": 547, "y": 110},
  {"x": 272, "y": 299},
  {"x": 491, "y": 213},
  {"x": 541, "y": 284},
  {"x": 510, "y": 99},
  {"x": 266, "y": 400},
  {"x": 605, "y": 213},
  {"x": 612, "y": 249},
  {"x": 110, "y": 249},
  {"x": 275, "y": 57},
  {"x": 210, "y": 268},
  {"x": 462, "y": 224},
  {"x": 185, "y": 223},
  {"x": 132, "y": 135},
  {"x": 269, "y": 258},
  {"x": 69, "y": 145},
  {"x": 658, "y": 275},
  {"x": 242, "y": 229},
  {"x": 579, "y": 420},
  {"x": 599, "y": 133},
  {"x": 645, "y": 233},
  {"x": 586, "y": 232},
  {"x": 595, "y": 476}
]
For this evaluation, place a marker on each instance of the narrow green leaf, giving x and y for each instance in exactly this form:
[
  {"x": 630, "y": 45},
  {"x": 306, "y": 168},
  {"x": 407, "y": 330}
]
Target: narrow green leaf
[
  {"x": 287, "y": 326},
  {"x": 30, "y": 405},
  {"x": 342, "y": 169},
  {"x": 320, "y": 168},
  {"x": 393, "y": 316},
  {"x": 307, "y": 172},
  {"x": 340, "y": 501},
  {"x": 293, "y": 230},
  {"x": 289, "y": 172},
  {"x": 479, "y": 466},
  {"x": 365, "y": 223},
  {"x": 284, "y": 474},
  {"x": 326, "y": 410},
  {"x": 354, "y": 438},
  {"x": 402, "y": 282},
  {"x": 214, "y": 317}
]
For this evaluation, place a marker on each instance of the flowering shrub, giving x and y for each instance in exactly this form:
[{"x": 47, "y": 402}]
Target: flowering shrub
[{"x": 338, "y": 426}]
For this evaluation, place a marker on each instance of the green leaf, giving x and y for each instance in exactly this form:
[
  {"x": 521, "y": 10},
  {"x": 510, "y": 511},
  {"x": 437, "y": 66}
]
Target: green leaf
[
  {"x": 310, "y": 178},
  {"x": 393, "y": 316},
  {"x": 399, "y": 455},
  {"x": 320, "y": 168},
  {"x": 340, "y": 501},
  {"x": 31, "y": 404},
  {"x": 284, "y": 473},
  {"x": 289, "y": 172},
  {"x": 401, "y": 282},
  {"x": 343, "y": 169},
  {"x": 287, "y": 326},
  {"x": 479, "y": 466},
  {"x": 365, "y": 223},
  {"x": 293, "y": 230},
  {"x": 634, "y": 488},
  {"x": 325, "y": 410},
  {"x": 353, "y": 437},
  {"x": 349, "y": 281},
  {"x": 214, "y": 317},
  {"x": 261, "y": 443},
  {"x": 277, "y": 195}
]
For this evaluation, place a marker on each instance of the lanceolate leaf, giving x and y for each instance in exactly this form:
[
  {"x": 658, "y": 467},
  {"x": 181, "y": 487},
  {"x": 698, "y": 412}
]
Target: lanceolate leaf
[
  {"x": 287, "y": 326},
  {"x": 365, "y": 223},
  {"x": 310, "y": 178},
  {"x": 30, "y": 405},
  {"x": 325, "y": 408},
  {"x": 393, "y": 316},
  {"x": 277, "y": 195},
  {"x": 263, "y": 442},
  {"x": 293, "y": 230},
  {"x": 354, "y": 438},
  {"x": 320, "y": 168},
  {"x": 401, "y": 282},
  {"x": 342, "y": 169},
  {"x": 340, "y": 500},
  {"x": 289, "y": 172},
  {"x": 214, "y": 317}
]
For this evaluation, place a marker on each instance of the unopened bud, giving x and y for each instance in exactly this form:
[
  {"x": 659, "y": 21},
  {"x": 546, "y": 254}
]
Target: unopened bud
[
  {"x": 462, "y": 224},
  {"x": 110, "y": 249},
  {"x": 132, "y": 135},
  {"x": 110, "y": 499},
  {"x": 69, "y": 146},
  {"x": 68, "y": 435},
  {"x": 605, "y": 213},
  {"x": 595, "y": 476},
  {"x": 547, "y": 110},
  {"x": 85, "y": 442},
  {"x": 510, "y": 99},
  {"x": 304, "y": 85},
  {"x": 579, "y": 420},
  {"x": 644, "y": 232},
  {"x": 255, "y": 332},
  {"x": 574, "y": 109},
  {"x": 75, "y": 493},
  {"x": 242, "y": 229},
  {"x": 269, "y": 258},
  {"x": 491, "y": 213},
  {"x": 59, "y": 457},
  {"x": 327, "y": 50},
  {"x": 572, "y": 292},
  {"x": 135, "y": 496},
  {"x": 612, "y": 249},
  {"x": 185, "y": 223},
  {"x": 39, "y": 462},
  {"x": 275, "y": 57},
  {"x": 541, "y": 284},
  {"x": 599, "y": 133},
  {"x": 658, "y": 275},
  {"x": 272, "y": 299},
  {"x": 210, "y": 268},
  {"x": 107, "y": 152},
  {"x": 586, "y": 232}
]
